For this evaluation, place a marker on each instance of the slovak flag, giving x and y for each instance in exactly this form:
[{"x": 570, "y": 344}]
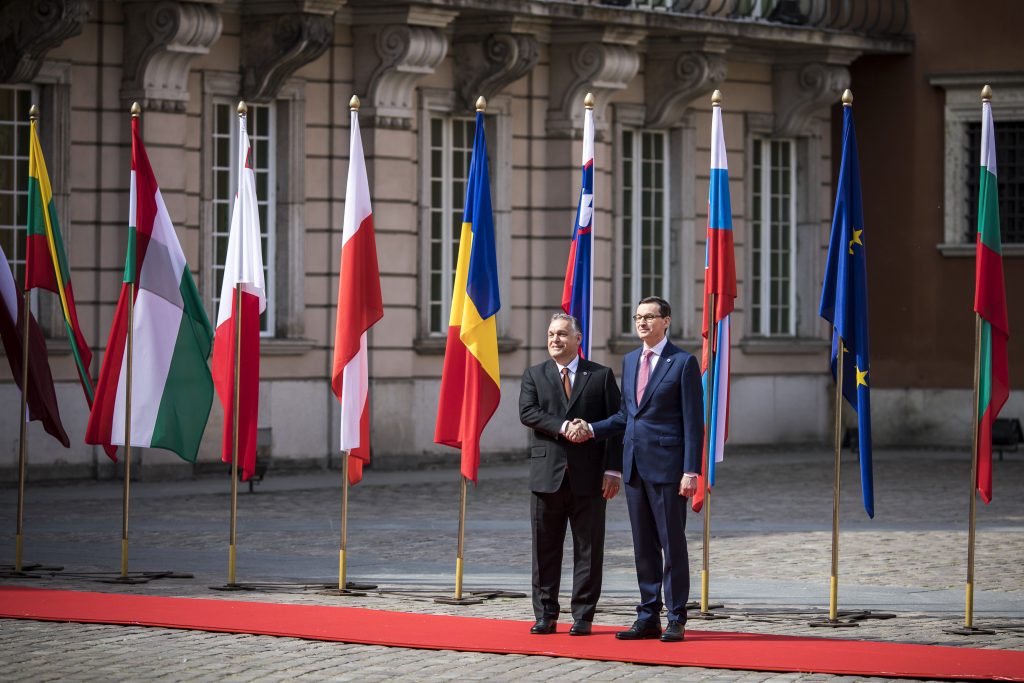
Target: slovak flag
[
  {"x": 720, "y": 280},
  {"x": 243, "y": 269},
  {"x": 579, "y": 273},
  {"x": 359, "y": 307}
]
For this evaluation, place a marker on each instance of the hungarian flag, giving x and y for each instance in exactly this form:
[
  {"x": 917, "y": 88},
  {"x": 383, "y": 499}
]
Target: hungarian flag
[
  {"x": 720, "y": 280},
  {"x": 46, "y": 265},
  {"x": 579, "y": 272},
  {"x": 359, "y": 307},
  {"x": 42, "y": 399},
  {"x": 844, "y": 300},
  {"x": 172, "y": 390},
  {"x": 470, "y": 383},
  {"x": 990, "y": 305},
  {"x": 243, "y": 271}
]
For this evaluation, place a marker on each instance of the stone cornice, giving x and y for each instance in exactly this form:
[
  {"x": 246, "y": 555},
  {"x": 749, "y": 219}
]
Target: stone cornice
[
  {"x": 161, "y": 38},
  {"x": 491, "y": 56},
  {"x": 677, "y": 72},
  {"x": 803, "y": 85},
  {"x": 29, "y": 29}
]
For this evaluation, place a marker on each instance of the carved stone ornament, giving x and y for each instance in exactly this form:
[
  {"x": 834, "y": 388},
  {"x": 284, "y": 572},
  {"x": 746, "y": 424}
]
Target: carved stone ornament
[
  {"x": 801, "y": 90},
  {"x": 599, "y": 67},
  {"x": 485, "y": 65},
  {"x": 31, "y": 28},
  {"x": 276, "y": 42},
  {"x": 390, "y": 59},
  {"x": 678, "y": 73},
  {"x": 161, "y": 38}
]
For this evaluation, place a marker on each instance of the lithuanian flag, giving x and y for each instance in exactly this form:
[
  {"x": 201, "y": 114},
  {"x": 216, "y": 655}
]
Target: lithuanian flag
[
  {"x": 46, "y": 264},
  {"x": 990, "y": 305}
]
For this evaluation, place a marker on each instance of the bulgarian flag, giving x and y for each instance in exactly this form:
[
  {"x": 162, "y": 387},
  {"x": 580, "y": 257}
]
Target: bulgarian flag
[
  {"x": 990, "y": 305},
  {"x": 46, "y": 264},
  {"x": 243, "y": 270},
  {"x": 172, "y": 390},
  {"x": 359, "y": 307}
]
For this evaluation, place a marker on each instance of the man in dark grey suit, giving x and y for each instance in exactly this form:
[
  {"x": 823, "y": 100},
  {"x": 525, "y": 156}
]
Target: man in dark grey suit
[{"x": 570, "y": 482}]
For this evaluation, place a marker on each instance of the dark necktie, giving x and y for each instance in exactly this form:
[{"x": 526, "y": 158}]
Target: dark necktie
[{"x": 566, "y": 384}]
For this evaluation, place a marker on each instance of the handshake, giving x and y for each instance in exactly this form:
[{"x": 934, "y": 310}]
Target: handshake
[{"x": 578, "y": 431}]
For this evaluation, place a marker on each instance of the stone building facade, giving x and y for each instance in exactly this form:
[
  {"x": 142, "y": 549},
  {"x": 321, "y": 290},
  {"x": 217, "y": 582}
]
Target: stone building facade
[{"x": 417, "y": 67}]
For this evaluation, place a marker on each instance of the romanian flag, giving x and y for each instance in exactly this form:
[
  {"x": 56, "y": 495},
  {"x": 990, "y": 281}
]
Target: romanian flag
[
  {"x": 470, "y": 386},
  {"x": 360, "y": 306},
  {"x": 990, "y": 305},
  {"x": 46, "y": 265},
  {"x": 844, "y": 299},
  {"x": 577, "y": 291},
  {"x": 720, "y": 280}
]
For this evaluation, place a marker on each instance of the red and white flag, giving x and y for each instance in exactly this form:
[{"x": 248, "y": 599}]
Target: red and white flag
[
  {"x": 243, "y": 269},
  {"x": 359, "y": 307}
]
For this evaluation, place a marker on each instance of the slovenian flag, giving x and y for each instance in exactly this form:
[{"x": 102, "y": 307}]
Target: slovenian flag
[
  {"x": 844, "y": 300},
  {"x": 172, "y": 389},
  {"x": 243, "y": 270},
  {"x": 990, "y": 305},
  {"x": 720, "y": 280},
  {"x": 579, "y": 272},
  {"x": 470, "y": 383},
  {"x": 359, "y": 306}
]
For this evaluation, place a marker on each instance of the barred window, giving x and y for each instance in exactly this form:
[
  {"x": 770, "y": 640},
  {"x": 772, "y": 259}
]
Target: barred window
[
  {"x": 451, "y": 146},
  {"x": 14, "y": 136},
  {"x": 1009, "y": 173},
  {"x": 643, "y": 240},
  {"x": 260, "y": 126},
  {"x": 772, "y": 230}
]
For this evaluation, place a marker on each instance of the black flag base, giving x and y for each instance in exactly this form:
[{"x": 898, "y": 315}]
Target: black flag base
[
  {"x": 825, "y": 622},
  {"x": 969, "y": 631},
  {"x": 29, "y": 570},
  {"x": 459, "y": 601},
  {"x": 140, "y": 577},
  {"x": 351, "y": 589},
  {"x": 693, "y": 611}
]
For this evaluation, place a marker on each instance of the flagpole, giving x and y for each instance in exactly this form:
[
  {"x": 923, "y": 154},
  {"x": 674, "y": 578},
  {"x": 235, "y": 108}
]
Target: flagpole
[
  {"x": 709, "y": 401},
  {"x": 344, "y": 522},
  {"x": 23, "y": 444},
  {"x": 234, "y": 444},
  {"x": 462, "y": 541},
  {"x": 969, "y": 599}
]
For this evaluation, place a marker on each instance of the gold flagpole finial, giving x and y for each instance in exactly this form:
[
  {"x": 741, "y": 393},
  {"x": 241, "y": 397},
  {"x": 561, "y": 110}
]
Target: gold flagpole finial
[
  {"x": 33, "y": 113},
  {"x": 354, "y": 103},
  {"x": 716, "y": 98},
  {"x": 136, "y": 110},
  {"x": 243, "y": 108},
  {"x": 986, "y": 94},
  {"x": 847, "y": 98},
  {"x": 588, "y": 101},
  {"x": 481, "y": 104}
]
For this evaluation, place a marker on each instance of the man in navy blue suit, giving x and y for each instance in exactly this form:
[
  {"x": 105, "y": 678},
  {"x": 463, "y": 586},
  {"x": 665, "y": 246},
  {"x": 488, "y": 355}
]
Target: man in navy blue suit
[{"x": 661, "y": 419}]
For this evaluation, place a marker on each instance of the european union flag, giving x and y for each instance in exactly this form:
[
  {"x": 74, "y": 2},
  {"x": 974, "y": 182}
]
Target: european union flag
[{"x": 844, "y": 299}]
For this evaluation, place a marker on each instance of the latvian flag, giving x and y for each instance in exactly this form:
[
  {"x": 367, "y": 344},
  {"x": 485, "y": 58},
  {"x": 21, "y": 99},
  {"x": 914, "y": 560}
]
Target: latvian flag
[
  {"x": 579, "y": 273},
  {"x": 720, "y": 280},
  {"x": 359, "y": 307},
  {"x": 172, "y": 390},
  {"x": 243, "y": 270}
]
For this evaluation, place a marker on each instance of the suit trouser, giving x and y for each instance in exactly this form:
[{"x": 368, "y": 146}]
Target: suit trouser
[
  {"x": 549, "y": 514},
  {"x": 657, "y": 515}
]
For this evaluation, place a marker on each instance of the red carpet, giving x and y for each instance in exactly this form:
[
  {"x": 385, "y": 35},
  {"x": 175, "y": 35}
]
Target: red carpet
[{"x": 748, "y": 651}]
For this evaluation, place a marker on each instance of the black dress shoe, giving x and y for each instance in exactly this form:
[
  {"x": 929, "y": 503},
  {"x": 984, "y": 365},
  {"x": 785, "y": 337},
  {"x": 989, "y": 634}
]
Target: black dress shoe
[
  {"x": 580, "y": 628},
  {"x": 641, "y": 630},
  {"x": 543, "y": 627},
  {"x": 674, "y": 632}
]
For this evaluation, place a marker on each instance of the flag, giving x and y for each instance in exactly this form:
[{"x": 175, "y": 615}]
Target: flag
[
  {"x": 470, "y": 387},
  {"x": 243, "y": 269},
  {"x": 844, "y": 300},
  {"x": 172, "y": 390},
  {"x": 46, "y": 264},
  {"x": 42, "y": 398},
  {"x": 359, "y": 307},
  {"x": 990, "y": 305},
  {"x": 579, "y": 272},
  {"x": 720, "y": 280}
]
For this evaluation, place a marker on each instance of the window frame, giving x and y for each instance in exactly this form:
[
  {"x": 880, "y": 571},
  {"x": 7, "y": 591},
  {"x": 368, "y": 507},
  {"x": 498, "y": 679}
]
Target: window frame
[{"x": 761, "y": 320}]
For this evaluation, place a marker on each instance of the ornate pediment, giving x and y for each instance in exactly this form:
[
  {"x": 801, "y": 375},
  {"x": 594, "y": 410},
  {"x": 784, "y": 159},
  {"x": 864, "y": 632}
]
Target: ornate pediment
[
  {"x": 161, "y": 38},
  {"x": 31, "y": 28}
]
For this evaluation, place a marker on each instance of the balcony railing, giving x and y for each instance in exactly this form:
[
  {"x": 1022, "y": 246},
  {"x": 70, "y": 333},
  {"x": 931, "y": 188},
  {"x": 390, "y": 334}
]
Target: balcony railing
[{"x": 868, "y": 17}]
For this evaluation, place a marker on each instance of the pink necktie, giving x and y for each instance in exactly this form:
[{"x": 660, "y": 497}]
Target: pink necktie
[{"x": 645, "y": 373}]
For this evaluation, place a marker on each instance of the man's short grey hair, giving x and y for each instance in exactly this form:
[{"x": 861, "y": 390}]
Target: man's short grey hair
[{"x": 572, "y": 321}]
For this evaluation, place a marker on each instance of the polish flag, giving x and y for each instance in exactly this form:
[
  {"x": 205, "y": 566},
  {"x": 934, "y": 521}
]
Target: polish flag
[
  {"x": 243, "y": 269},
  {"x": 359, "y": 307}
]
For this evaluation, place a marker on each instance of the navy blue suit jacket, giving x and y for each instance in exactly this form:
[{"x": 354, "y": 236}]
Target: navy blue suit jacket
[{"x": 663, "y": 436}]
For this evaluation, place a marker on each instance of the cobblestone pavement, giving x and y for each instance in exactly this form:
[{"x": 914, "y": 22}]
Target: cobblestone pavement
[{"x": 770, "y": 554}]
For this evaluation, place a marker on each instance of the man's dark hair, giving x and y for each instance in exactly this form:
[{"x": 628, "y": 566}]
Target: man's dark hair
[{"x": 664, "y": 308}]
